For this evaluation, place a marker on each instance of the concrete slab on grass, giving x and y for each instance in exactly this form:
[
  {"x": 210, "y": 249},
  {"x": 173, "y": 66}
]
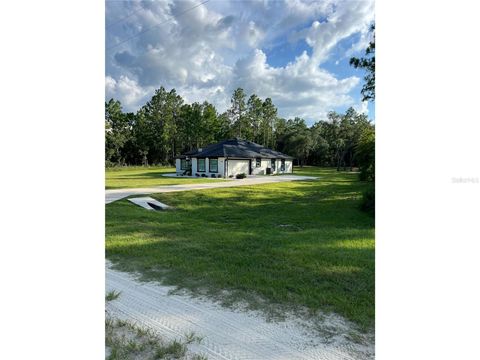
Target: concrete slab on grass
[{"x": 149, "y": 203}]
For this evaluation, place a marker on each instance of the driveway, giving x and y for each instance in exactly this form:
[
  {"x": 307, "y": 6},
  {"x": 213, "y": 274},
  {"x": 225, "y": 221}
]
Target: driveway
[
  {"x": 117, "y": 194},
  {"x": 229, "y": 334}
]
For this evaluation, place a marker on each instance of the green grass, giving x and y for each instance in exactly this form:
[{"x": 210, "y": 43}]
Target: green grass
[
  {"x": 126, "y": 340},
  {"x": 294, "y": 245},
  {"x": 137, "y": 176},
  {"x": 112, "y": 295}
]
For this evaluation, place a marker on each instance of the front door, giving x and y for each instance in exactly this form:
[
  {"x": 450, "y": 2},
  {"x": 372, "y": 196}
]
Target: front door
[{"x": 273, "y": 165}]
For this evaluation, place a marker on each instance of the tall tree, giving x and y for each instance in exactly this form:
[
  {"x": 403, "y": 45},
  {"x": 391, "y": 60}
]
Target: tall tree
[
  {"x": 237, "y": 111},
  {"x": 117, "y": 132},
  {"x": 365, "y": 153},
  {"x": 255, "y": 116},
  {"x": 367, "y": 63},
  {"x": 297, "y": 140},
  {"x": 165, "y": 127},
  {"x": 269, "y": 115}
]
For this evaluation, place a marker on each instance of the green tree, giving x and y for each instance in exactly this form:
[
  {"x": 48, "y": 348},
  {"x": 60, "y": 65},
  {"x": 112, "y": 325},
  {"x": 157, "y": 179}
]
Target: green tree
[
  {"x": 365, "y": 153},
  {"x": 160, "y": 117},
  {"x": 367, "y": 63},
  {"x": 255, "y": 116},
  {"x": 237, "y": 111},
  {"x": 269, "y": 115},
  {"x": 118, "y": 130},
  {"x": 297, "y": 140}
]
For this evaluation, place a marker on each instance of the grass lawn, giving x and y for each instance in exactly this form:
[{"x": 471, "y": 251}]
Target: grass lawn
[
  {"x": 297, "y": 245},
  {"x": 137, "y": 176}
]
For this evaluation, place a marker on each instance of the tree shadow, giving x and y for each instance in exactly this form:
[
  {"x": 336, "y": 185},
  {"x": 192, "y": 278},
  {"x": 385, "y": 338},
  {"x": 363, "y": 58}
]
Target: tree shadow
[{"x": 296, "y": 244}]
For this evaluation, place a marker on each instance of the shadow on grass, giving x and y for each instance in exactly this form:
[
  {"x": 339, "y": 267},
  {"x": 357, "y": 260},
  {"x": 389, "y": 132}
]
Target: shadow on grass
[{"x": 298, "y": 245}]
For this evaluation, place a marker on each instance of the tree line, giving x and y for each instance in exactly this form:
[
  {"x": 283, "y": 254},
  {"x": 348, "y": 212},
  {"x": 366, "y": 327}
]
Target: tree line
[{"x": 166, "y": 126}]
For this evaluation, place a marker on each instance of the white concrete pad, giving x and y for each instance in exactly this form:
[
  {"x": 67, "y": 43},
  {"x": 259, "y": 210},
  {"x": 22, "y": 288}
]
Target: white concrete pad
[{"x": 149, "y": 203}]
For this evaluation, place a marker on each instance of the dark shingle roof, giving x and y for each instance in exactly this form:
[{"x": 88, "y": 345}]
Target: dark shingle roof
[{"x": 235, "y": 148}]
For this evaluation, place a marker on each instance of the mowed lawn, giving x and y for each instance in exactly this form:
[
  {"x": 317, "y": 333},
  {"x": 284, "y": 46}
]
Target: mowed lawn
[
  {"x": 136, "y": 177},
  {"x": 295, "y": 245}
]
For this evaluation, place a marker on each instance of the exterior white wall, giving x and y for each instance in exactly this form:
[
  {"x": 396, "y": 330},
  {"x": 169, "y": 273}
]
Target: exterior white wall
[
  {"x": 239, "y": 166},
  {"x": 221, "y": 164},
  {"x": 177, "y": 167},
  {"x": 266, "y": 163},
  {"x": 194, "y": 166},
  {"x": 288, "y": 166},
  {"x": 262, "y": 170}
]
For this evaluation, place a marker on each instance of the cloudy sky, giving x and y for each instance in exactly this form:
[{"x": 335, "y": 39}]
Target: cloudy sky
[{"x": 294, "y": 51}]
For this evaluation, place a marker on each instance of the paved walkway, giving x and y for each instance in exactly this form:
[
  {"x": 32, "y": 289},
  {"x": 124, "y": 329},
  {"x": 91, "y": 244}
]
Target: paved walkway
[{"x": 117, "y": 194}]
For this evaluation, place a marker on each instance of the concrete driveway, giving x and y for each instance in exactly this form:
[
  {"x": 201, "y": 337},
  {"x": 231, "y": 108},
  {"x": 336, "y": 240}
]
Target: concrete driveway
[{"x": 117, "y": 194}]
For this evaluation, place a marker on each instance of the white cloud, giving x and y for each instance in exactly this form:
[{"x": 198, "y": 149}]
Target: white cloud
[
  {"x": 207, "y": 52},
  {"x": 299, "y": 89},
  {"x": 362, "y": 108},
  {"x": 253, "y": 34},
  {"x": 126, "y": 89}
]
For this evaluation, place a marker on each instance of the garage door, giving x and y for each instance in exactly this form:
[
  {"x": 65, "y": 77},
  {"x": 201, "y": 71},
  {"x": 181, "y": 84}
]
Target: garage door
[{"x": 237, "y": 167}]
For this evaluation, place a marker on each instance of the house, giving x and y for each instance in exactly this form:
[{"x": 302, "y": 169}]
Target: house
[{"x": 232, "y": 157}]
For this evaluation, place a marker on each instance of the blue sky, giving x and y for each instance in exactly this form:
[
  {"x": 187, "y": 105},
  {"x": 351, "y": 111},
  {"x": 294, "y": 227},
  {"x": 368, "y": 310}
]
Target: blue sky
[{"x": 295, "y": 52}]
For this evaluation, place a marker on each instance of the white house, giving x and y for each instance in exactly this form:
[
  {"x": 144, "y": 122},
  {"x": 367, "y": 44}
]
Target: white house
[{"x": 232, "y": 157}]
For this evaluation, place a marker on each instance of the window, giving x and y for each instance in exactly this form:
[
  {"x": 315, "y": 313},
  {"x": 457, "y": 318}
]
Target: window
[
  {"x": 282, "y": 166},
  {"x": 258, "y": 162},
  {"x": 213, "y": 165},
  {"x": 201, "y": 165},
  {"x": 183, "y": 164}
]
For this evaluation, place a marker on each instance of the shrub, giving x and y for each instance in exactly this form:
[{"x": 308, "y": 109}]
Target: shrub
[
  {"x": 219, "y": 176},
  {"x": 241, "y": 176},
  {"x": 197, "y": 174},
  {"x": 109, "y": 164},
  {"x": 213, "y": 175},
  {"x": 203, "y": 175},
  {"x": 368, "y": 201},
  {"x": 230, "y": 176}
]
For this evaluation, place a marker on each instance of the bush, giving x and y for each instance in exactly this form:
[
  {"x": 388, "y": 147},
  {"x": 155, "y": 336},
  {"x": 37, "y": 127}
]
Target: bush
[
  {"x": 219, "y": 176},
  {"x": 367, "y": 173},
  {"x": 197, "y": 174},
  {"x": 110, "y": 164},
  {"x": 241, "y": 176},
  {"x": 203, "y": 175},
  {"x": 368, "y": 201},
  {"x": 213, "y": 176}
]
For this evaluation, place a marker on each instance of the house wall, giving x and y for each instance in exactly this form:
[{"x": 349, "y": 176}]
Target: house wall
[
  {"x": 288, "y": 166},
  {"x": 262, "y": 170},
  {"x": 238, "y": 166},
  {"x": 221, "y": 164},
  {"x": 265, "y": 164},
  {"x": 194, "y": 166},
  {"x": 177, "y": 167}
]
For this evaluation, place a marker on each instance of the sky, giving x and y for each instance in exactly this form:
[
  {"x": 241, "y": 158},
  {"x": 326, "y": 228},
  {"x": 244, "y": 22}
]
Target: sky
[{"x": 295, "y": 51}]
